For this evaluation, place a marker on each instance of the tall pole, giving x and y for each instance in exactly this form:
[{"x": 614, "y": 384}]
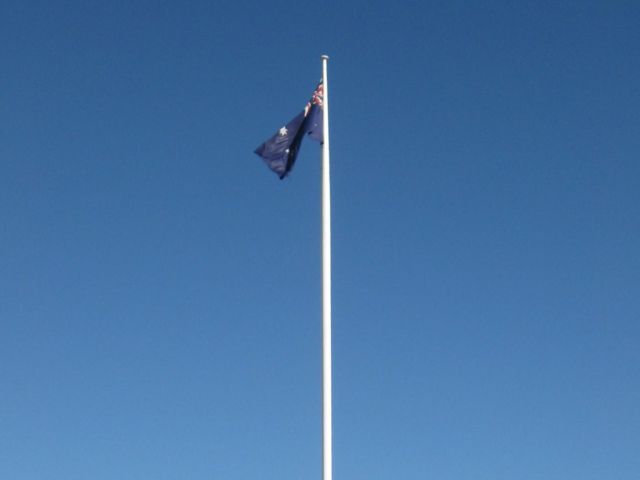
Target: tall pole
[{"x": 326, "y": 284}]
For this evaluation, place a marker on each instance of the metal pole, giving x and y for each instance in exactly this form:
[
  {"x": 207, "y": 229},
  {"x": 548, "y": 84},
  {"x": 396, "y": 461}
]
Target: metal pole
[{"x": 326, "y": 285}]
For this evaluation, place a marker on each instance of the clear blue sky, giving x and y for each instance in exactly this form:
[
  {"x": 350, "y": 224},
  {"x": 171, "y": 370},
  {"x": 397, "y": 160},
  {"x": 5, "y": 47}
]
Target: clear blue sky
[{"x": 160, "y": 287}]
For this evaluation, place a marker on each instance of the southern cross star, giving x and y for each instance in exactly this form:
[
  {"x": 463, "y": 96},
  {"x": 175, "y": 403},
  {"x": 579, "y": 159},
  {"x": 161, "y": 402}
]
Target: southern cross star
[{"x": 283, "y": 131}]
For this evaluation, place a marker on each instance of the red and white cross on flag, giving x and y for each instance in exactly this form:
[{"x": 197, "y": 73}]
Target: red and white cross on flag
[{"x": 317, "y": 98}]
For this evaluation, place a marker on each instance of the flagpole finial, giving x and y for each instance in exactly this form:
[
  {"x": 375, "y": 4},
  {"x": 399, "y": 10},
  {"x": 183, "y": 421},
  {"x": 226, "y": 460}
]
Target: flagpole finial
[{"x": 324, "y": 57}]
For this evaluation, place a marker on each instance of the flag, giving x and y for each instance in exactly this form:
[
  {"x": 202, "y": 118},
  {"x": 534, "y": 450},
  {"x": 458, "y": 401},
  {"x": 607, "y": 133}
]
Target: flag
[{"x": 280, "y": 151}]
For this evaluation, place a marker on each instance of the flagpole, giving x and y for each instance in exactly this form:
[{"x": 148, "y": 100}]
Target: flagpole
[{"x": 326, "y": 285}]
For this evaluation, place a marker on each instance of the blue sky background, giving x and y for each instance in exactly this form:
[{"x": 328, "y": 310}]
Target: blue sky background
[{"x": 160, "y": 287}]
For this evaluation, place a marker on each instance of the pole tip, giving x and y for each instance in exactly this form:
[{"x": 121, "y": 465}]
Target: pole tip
[{"x": 324, "y": 57}]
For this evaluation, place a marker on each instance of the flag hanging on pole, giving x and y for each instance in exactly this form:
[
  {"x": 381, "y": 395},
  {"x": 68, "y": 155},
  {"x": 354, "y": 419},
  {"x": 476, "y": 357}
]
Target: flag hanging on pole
[{"x": 280, "y": 151}]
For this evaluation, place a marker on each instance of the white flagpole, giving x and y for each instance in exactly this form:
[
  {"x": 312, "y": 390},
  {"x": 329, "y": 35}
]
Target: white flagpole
[{"x": 326, "y": 285}]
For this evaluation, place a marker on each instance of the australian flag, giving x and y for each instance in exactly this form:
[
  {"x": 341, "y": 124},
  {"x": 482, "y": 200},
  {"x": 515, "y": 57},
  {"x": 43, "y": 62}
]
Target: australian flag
[{"x": 281, "y": 150}]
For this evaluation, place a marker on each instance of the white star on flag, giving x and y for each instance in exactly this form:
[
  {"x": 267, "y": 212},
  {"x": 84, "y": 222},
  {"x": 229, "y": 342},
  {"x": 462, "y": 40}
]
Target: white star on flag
[{"x": 283, "y": 131}]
